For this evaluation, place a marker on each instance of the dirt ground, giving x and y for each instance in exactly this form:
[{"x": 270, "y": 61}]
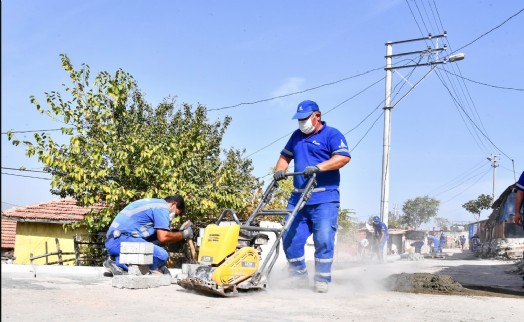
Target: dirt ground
[{"x": 399, "y": 290}]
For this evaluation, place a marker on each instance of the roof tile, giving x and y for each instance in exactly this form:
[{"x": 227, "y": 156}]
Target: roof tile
[
  {"x": 8, "y": 233},
  {"x": 61, "y": 210}
]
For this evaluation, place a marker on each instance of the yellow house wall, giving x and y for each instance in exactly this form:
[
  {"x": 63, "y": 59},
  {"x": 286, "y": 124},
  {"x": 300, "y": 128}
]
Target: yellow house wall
[{"x": 31, "y": 237}]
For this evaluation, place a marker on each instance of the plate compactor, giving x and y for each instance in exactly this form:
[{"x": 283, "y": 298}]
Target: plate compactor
[{"x": 230, "y": 257}]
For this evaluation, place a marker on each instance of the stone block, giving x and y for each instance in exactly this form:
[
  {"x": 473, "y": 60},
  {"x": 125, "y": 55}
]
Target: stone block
[
  {"x": 136, "y": 259},
  {"x": 140, "y": 282},
  {"x": 136, "y": 248}
]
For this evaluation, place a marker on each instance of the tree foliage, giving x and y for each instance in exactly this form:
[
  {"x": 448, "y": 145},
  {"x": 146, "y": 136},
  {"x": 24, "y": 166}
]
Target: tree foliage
[
  {"x": 393, "y": 221},
  {"x": 418, "y": 211},
  {"x": 477, "y": 205},
  {"x": 121, "y": 149},
  {"x": 442, "y": 223}
]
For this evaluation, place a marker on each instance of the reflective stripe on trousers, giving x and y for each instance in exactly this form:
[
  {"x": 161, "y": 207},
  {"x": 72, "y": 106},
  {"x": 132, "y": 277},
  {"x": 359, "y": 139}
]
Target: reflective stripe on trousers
[{"x": 321, "y": 221}]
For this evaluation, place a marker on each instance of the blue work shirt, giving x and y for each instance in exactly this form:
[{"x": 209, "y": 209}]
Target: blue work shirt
[
  {"x": 435, "y": 240},
  {"x": 140, "y": 219},
  {"x": 381, "y": 227},
  {"x": 312, "y": 150}
]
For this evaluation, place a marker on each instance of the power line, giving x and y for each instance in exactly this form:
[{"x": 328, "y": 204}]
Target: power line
[
  {"x": 489, "y": 85},
  {"x": 294, "y": 93},
  {"x": 32, "y": 131},
  {"x": 474, "y": 124},
  {"x": 17, "y": 169},
  {"x": 486, "y": 33},
  {"x": 20, "y": 175}
]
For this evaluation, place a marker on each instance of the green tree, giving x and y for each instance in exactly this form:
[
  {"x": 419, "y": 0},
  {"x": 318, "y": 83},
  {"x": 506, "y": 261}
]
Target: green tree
[
  {"x": 393, "y": 221},
  {"x": 477, "y": 205},
  {"x": 442, "y": 223},
  {"x": 121, "y": 149},
  {"x": 418, "y": 211}
]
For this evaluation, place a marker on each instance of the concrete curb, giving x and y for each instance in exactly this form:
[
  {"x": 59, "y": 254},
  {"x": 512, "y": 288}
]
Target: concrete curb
[{"x": 58, "y": 270}]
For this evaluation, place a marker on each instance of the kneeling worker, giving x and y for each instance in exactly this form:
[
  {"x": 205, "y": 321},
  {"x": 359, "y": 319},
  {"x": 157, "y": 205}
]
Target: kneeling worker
[{"x": 145, "y": 220}]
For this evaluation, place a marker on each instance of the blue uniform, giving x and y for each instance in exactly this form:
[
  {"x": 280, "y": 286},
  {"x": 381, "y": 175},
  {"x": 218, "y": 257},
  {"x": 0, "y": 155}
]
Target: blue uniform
[
  {"x": 520, "y": 186},
  {"x": 138, "y": 222},
  {"x": 442, "y": 241},
  {"x": 320, "y": 214},
  {"x": 378, "y": 228},
  {"x": 520, "y": 183},
  {"x": 462, "y": 241},
  {"x": 418, "y": 246},
  {"x": 436, "y": 243}
]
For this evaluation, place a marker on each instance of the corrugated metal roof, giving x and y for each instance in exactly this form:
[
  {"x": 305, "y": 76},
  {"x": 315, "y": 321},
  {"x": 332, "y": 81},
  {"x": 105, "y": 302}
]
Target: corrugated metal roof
[
  {"x": 8, "y": 233},
  {"x": 57, "y": 211}
]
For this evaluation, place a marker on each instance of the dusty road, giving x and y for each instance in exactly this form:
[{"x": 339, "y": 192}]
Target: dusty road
[{"x": 356, "y": 294}]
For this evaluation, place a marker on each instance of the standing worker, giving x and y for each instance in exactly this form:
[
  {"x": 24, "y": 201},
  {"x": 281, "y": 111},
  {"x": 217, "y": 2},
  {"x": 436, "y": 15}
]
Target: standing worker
[
  {"x": 381, "y": 234},
  {"x": 145, "y": 220},
  {"x": 321, "y": 149},
  {"x": 443, "y": 240},
  {"x": 519, "y": 200},
  {"x": 462, "y": 241}
]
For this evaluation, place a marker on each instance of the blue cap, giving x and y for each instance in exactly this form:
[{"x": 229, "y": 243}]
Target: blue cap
[
  {"x": 305, "y": 109},
  {"x": 376, "y": 219}
]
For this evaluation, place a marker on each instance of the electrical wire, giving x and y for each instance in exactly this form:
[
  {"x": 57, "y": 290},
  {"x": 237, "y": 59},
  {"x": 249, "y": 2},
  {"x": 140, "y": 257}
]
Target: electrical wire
[
  {"x": 294, "y": 93},
  {"x": 20, "y": 175},
  {"x": 488, "y": 32},
  {"x": 485, "y": 84}
]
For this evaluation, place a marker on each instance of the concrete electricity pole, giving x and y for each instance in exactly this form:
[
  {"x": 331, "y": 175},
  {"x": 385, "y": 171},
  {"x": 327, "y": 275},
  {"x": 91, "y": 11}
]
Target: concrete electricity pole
[
  {"x": 384, "y": 201},
  {"x": 494, "y": 164}
]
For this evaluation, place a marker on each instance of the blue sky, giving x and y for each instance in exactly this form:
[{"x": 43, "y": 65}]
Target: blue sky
[{"x": 223, "y": 53}]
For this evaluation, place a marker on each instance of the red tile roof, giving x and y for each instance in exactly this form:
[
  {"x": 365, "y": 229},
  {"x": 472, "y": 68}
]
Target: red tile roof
[
  {"x": 57, "y": 211},
  {"x": 8, "y": 233}
]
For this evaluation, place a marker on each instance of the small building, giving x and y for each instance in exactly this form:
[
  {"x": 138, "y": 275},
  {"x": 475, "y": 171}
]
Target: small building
[
  {"x": 8, "y": 240},
  {"x": 499, "y": 235},
  {"x": 39, "y": 229}
]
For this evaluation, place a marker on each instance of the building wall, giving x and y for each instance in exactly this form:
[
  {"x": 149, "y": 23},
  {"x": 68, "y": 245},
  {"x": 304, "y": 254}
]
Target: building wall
[{"x": 31, "y": 237}]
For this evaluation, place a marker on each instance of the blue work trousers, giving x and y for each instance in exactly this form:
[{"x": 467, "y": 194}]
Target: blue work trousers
[
  {"x": 322, "y": 221},
  {"x": 160, "y": 255}
]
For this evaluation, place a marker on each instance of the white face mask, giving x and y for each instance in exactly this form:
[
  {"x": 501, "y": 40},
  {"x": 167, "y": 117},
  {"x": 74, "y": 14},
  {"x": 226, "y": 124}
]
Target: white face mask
[
  {"x": 173, "y": 214},
  {"x": 306, "y": 126}
]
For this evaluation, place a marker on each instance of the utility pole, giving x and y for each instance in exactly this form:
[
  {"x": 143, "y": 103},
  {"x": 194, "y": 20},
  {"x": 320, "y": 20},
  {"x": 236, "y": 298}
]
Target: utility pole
[
  {"x": 384, "y": 200},
  {"x": 494, "y": 164}
]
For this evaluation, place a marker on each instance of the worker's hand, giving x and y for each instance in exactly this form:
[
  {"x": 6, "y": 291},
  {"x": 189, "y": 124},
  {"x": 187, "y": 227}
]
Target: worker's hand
[
  {"x": 309, "y": 170},
  {"x": 187, "y": 233},
  {"x": 518, "y": 219},
  {"x": 279, "y": 175}
]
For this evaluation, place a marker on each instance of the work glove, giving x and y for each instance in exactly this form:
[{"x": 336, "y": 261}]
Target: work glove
[
  {"x": 187, "y": 233},
  {"x": 309, "y": 170},
  {"x": 279, "y": 175}
]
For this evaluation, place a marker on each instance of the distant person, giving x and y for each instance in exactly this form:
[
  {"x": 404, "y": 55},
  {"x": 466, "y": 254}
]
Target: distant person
[
  {"x": 418, "y": 246},
  {"x": 475, "y": 242},
  {"x": 462, "y": 241},
  {"x": 442, "y": 240},
  {"x": 435, "y": 242},
  {"x": 519, "y": 197},
  {"x": 145, "y": 220},
  {"x": 381, "y": 235},
  {"x": 315, "y": 148}
]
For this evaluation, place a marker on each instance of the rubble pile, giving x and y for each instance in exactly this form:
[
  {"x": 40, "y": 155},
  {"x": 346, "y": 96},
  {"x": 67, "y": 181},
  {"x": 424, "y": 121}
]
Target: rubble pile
[{"x": 424, "y": 283}]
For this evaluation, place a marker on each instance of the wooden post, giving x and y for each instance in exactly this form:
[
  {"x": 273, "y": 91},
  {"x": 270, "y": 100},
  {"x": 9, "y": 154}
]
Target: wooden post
[
  {"x": 59, "y": 252},
  {"x": 47, "y": 252},
  {"x": 77, "y": 250}
]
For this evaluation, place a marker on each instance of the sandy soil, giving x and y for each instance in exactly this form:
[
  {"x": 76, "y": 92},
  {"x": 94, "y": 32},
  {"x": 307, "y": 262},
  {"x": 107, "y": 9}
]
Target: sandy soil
[{"x": 358, "y": 293}]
